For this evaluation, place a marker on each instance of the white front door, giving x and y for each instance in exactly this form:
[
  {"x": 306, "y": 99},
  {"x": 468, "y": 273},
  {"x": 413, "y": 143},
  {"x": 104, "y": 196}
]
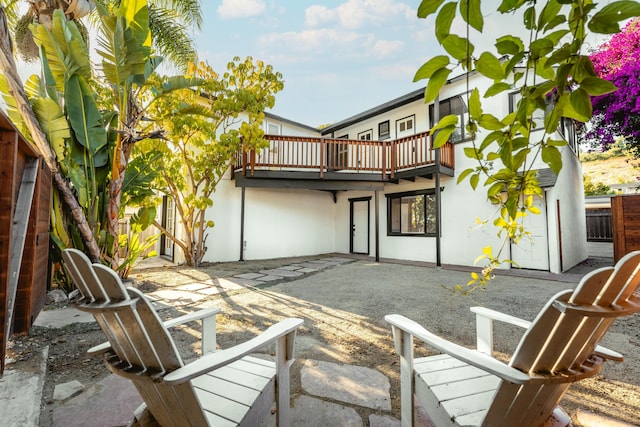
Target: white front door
[
  {"x": 532, "y": 252},
  {"x": 360, "y": 226}
]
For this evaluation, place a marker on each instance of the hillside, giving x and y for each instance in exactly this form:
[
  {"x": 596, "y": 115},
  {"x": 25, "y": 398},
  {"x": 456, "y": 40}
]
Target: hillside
[{"x": 611, "y": 167}]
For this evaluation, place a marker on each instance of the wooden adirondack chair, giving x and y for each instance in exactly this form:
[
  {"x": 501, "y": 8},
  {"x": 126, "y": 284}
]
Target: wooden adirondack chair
[
  {"x": 221, "y": 388},
  {"x": 465, "y": 387}
]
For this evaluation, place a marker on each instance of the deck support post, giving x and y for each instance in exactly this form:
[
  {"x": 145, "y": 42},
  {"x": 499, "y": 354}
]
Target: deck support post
[
  {"x": 242, "y": 224},
  {"x": 377, "y": 210},
  {"x": 436, "y": 119}
]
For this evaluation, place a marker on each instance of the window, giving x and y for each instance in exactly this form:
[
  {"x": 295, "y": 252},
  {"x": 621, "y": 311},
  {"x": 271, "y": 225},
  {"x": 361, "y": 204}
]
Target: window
[
  {"x": 452, "y": 106},
  {"x": 538, "y": 115},
  {"x": 384, "y": 130},
  {"x": 412, "y": 213},
  {"x": 273, "y": 129},
  {"x": 405, "y": 125},
  {"x": 367, "y": 135}
]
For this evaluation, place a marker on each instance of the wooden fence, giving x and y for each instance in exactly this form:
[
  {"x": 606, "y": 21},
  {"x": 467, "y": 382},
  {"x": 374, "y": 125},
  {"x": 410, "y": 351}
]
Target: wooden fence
[
  {"x": 625, "y": 215},
  {"x": 25, "y": 188},
  {"x": 599, "y": 227}
]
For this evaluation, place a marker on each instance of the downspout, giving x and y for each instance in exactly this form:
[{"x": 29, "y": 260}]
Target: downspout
[
  {"x": 436, "y": 119},
  {"x": 242, "y": 225}
]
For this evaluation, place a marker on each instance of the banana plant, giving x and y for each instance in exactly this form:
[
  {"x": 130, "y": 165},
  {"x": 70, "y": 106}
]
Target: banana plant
[{"x": 91, "y": 117}]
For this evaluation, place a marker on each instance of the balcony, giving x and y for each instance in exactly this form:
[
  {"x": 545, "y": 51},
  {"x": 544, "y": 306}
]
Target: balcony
[{"x": 335, "y": 164}]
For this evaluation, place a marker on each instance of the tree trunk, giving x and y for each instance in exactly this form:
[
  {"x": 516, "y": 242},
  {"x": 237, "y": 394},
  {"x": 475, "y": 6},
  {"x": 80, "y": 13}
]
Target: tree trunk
[{"x": 9, "y": 69}]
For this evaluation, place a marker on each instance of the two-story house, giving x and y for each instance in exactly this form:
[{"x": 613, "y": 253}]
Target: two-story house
[{"x": 371, "y": 184}]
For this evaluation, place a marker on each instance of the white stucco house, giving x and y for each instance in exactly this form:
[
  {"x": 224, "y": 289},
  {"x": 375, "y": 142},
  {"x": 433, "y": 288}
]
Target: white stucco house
[{"x": 371, "y": 184}]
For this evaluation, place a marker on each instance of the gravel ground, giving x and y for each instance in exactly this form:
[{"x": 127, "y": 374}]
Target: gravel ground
[{"x": 343, "y": 310}]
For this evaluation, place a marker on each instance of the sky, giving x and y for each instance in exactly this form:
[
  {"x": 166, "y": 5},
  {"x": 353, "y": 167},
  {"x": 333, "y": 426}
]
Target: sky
[{"x": 338, "y": 57}]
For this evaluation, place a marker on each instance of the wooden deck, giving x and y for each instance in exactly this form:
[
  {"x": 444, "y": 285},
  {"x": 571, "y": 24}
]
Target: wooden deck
[{"x": 328, "y": 159}]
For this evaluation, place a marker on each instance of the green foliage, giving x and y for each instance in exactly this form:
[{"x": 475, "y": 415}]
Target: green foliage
[
  {"x": 134, "y": 244},
  {"x": 553, "y": 76},
  {"x": 204, "y": 139},
  {"x": 592, "y": 188}
]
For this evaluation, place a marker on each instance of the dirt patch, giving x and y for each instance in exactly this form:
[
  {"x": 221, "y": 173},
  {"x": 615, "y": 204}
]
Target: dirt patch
[{"x": 343, "y": 310}]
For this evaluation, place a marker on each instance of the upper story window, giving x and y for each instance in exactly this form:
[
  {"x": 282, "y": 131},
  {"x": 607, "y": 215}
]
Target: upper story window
[
  {"x": 452, "y": 106},
  {"x": 274, "y": 129},
  {"x": 367, "y": 135},
  {"x": 412, "y": 213},
  {"x": 406, "y": 125},
  {"x": 384, "y": 131}
]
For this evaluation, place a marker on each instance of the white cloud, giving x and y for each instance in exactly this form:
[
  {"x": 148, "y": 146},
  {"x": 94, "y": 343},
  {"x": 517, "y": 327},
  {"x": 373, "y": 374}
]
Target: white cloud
[
  {"x": 357, "y": 14},
  {"x": 230, "y": 9},
  {"x": 387, "y": 48},
  {"x": 313, "y": 41}
]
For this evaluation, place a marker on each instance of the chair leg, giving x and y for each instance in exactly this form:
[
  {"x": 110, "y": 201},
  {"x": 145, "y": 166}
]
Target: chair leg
[
  {"x": 284, "y": 358},
  {"x": 404, "y": 346}
]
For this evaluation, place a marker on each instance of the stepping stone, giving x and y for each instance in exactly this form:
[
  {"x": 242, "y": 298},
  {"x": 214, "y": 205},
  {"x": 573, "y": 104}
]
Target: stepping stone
[
  {"x": 177, "y": 297},
  {"x": 269, "y": 278},
  {"x": 312, "y": 412},
  {"x": 315, "y": 265},
  {"x": 65, "y": 391},
  {"x": 192, "y": 287},
  {"x": 111, "y": 401},
  {"x": 338, "y": 260},
  {"x": 289, "y": 267},
  {"x": 281, "y": 273},
  {"x": 250, "y": 276},
  {"x": 383, "y": 421},
  {"x": 244, "y": 282},
  {"x": 346, "y": 383}
]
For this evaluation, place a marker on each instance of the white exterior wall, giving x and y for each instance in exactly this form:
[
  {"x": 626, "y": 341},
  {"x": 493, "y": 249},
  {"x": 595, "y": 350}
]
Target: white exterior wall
[
  {"x": 567, "y": 234},
  {"x": 278, "y": 223}
]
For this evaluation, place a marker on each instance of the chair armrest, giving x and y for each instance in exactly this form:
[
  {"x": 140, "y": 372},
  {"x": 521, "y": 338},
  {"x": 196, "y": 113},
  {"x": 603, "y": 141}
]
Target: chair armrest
[
  {"x": 484, "y": 326},
  {"x": 207, "y": 315},
  {"x": 472, "y": 357},
  {"x": 190, "y": 317},
  {"x": 209, "y": 362}
]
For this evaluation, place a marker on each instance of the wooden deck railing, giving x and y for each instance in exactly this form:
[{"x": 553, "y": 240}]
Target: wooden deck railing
[{"x": 288, "y": 153}]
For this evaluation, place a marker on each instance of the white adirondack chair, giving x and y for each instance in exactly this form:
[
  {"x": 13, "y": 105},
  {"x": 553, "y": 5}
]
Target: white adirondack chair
[
  {"x": 221, "y": 388},
  {"x": 465, "y": 387}
]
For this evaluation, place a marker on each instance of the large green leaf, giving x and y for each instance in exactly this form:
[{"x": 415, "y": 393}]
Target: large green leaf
[
  {"x": 550, "y": 11},
  {"x": 437, "y": 80},
  {"x": 475, "y": 108},
  {"x": 509, "y": 45},
  {"x": 428, "y": 68},
  {"x": 54, "y": 125},
  {"x": 427, "y": 7},
  {"x": 458, "y": 47},
  {"x": 496, "y": 88},
  {"x": 605, "y": 21},
  {"x": 471, "y": 13},
  {"x": 552, "y": 157},
  {"x": 596, "y": 86},
  {"x": 444, "y": 21},
  {"x": 84, "y": 115},
  {"x": 489, "y": 66},
  {"x": 580, "y": 103}
]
